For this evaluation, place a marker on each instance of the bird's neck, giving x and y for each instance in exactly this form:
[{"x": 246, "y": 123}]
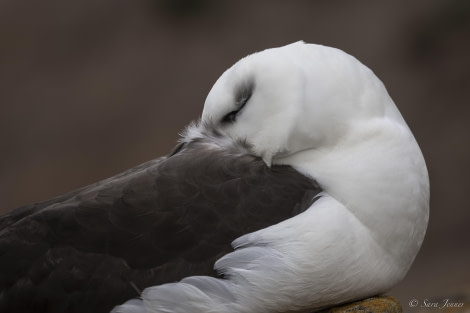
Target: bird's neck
[{"x": 378, "y": 173}]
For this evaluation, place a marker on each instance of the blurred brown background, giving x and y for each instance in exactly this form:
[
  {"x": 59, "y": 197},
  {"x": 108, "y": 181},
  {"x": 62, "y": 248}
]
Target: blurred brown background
[{"x": 92, "y": 87}]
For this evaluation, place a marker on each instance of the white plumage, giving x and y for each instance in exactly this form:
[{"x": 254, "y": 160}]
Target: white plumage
[{"x": 327, "y": 115}]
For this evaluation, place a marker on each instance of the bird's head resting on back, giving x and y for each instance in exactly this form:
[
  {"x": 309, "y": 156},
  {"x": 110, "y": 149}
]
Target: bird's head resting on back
[
  {"x": 293, "y": 98},
  {"x": 323, "y": 112}
]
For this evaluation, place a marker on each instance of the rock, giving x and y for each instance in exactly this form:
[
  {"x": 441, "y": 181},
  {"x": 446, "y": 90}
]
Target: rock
[{"x": 383, "y": 304}]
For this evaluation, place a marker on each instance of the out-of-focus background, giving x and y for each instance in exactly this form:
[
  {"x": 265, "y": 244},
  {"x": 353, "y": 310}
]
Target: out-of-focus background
[{"x": 92, "y": 87}]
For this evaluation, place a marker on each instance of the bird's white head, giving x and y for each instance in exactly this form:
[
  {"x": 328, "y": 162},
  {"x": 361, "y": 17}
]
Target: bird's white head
[{"x": 293, "y": 98}]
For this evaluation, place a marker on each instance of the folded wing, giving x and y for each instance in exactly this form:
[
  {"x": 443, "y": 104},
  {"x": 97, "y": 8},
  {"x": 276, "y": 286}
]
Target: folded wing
[{"x": 159, "y": 222}]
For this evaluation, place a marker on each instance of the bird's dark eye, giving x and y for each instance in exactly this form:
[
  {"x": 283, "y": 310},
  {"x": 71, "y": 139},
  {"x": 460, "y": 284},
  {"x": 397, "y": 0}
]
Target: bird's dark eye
[
  {"x": 242, "y": 98},
  {"x": 230, "y": 118}
]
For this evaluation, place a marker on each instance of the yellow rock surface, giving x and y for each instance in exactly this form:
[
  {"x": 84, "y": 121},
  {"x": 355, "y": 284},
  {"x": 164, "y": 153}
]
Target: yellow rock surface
[{"x": 371, "y": 305}]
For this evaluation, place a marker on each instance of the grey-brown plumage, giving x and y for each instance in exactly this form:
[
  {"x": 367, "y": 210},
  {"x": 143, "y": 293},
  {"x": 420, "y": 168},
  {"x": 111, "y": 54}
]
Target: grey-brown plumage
[{"x": 159, "y": 222}]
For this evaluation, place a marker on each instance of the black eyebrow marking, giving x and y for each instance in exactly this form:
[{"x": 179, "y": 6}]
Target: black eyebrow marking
[{"x": 243, "y": 95}]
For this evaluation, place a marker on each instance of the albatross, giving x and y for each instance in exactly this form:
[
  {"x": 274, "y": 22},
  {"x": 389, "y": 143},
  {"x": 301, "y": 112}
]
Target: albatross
[{"x": 300, "y": 187}]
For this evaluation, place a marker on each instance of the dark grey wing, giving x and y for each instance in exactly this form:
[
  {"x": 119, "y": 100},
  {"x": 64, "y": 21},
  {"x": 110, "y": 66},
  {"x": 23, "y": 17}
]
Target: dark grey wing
[{"x": 96, "y": 247}]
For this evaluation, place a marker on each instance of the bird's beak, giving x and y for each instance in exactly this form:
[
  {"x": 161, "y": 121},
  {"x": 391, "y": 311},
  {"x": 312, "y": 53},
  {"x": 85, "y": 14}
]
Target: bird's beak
[{"x": 267, "y": 158}]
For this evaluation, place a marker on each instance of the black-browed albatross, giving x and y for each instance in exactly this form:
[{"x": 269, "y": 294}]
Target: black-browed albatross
[{"x": 301, "y": 185}]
